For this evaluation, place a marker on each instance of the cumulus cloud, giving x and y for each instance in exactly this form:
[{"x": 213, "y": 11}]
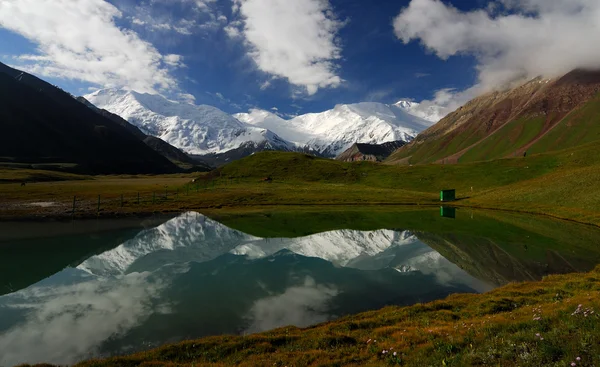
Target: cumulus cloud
[
  {"x": 174, "y": 60},
  {"x": 78, "y": 39},
  {"x": 512, "y": 40},
  {"x": 295, "y": 40}
]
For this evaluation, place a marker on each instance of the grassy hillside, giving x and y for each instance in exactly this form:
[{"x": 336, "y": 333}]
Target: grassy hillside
[
  {"x": 539, "y": 116},
  {"x": 548, "y": 323},
  {"x": 561, "y": 184},
  {"x": 578, "y": 128}
]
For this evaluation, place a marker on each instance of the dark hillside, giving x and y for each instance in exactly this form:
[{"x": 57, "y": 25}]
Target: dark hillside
[{"x": 43, "y": 124}]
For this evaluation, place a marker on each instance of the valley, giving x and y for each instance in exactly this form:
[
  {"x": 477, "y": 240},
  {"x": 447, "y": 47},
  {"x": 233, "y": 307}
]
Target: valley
[{"x": 258, "y": 194}]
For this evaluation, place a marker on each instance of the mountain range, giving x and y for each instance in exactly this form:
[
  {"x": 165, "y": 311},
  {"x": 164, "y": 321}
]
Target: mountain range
[{"x": 206, "y": 130}]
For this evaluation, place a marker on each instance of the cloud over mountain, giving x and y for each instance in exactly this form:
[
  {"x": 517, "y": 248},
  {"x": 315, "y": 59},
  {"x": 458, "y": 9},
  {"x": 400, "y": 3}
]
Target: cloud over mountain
[{"x": 511, "y": 39}]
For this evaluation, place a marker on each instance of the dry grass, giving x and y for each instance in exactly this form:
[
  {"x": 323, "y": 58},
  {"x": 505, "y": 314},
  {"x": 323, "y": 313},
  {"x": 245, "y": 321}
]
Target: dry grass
[{"x": 548, "y": 323}]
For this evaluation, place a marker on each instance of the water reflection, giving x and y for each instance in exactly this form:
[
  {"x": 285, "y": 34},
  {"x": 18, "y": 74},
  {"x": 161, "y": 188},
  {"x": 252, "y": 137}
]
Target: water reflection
[{"x": 192, "y": 276}]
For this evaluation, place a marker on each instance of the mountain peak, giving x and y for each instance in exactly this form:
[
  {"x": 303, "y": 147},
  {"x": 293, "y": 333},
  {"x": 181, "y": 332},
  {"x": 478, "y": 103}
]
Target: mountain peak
[
  {"x": 197, "y": 129},
  {"x": 406, "y": 104}
]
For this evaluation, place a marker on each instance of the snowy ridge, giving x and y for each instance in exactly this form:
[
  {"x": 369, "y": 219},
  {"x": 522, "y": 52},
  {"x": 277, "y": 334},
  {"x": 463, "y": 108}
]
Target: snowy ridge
[
  {"x": 206, "y": 129},
  {"x": 194, "y": 237},
  {"x": 333, "y": 131},
  {"x": 426, "y": 111},
  {"x": 194, "y": 129}
]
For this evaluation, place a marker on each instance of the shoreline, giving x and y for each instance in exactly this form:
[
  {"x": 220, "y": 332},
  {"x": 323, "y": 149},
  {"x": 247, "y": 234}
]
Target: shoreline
[
  {"x": 89, "y": 215},
  {"x": 523, "y": 323}
]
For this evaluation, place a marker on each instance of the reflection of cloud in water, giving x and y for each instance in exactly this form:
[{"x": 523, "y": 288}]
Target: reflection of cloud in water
[
  {"x": 301, "y": 306},
  {"x": 67, "y": 323},
  {"x": 78, "y": 313}
]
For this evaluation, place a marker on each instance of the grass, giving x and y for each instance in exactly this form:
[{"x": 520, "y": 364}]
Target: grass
[
  {"x": 579, "y": 127},
  {"x": 561, "y": 184},
  {"x": 505, "y": 141},
  {"x": 549, "y": 323}
]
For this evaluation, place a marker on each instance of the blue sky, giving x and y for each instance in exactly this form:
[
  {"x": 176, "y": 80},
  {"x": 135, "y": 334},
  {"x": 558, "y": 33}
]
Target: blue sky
[{"x": 296, "y": 55}]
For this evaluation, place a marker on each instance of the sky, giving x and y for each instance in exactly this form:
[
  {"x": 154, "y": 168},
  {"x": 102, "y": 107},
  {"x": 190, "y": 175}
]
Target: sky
[{"x": 299, "y": 56}]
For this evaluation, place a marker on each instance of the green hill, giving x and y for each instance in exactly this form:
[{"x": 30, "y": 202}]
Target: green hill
[{"x": 561, "y": 183}]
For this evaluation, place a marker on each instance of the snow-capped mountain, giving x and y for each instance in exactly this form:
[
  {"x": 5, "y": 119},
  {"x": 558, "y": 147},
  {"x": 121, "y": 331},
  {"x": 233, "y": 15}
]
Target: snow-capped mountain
[
  {"x": 429, "y": 112},
  {"x": 333, "y": 131},
  {"x": 194, "y": 129},
  {"x": 204, "y": 129}
]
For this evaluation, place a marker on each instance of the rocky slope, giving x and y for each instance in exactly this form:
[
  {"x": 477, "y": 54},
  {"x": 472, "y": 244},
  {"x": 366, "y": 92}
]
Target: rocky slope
[
  {"x": 369, "y": 152},
  {"x": 539, "y": 115}
]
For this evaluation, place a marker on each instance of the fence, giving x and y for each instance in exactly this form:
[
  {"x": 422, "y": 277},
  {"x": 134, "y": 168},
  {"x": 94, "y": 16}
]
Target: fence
[{"x": 99, "y": 203}]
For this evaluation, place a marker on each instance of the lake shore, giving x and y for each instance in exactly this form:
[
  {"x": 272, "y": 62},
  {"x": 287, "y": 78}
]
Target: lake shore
[
  {"x": 32, "y": 204},
  {"x": 550, "y": 322}
]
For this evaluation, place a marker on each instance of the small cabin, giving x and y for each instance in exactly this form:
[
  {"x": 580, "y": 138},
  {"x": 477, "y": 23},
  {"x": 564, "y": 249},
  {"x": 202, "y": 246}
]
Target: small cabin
[{"x": 447, "y": 195}]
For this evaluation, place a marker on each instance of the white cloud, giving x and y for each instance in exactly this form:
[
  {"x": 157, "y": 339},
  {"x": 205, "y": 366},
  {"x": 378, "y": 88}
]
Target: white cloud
[
  {"x": 512, "y": 40},
  {"x": 78, "y": 39},
  {"x": 295, "y": 40},
  {"x": 174, "y": 60},
  {"x": 187, "y": 98},
  {"x": 160, "y": 15},
  {"x": 198, "y": 5}
]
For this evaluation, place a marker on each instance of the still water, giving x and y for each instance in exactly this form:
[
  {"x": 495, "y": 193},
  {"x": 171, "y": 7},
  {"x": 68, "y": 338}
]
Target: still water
[{"x": 70, "y": 292}]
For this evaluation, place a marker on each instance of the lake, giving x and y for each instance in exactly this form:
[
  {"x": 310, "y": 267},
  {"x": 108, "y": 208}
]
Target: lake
[{"x": 73, "y": 291}]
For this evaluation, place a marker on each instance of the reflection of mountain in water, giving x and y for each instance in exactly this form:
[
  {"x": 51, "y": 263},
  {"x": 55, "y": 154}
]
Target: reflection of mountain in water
[
  {"x": 192, "y": 276},
  {"x": 194, "y": 237}
]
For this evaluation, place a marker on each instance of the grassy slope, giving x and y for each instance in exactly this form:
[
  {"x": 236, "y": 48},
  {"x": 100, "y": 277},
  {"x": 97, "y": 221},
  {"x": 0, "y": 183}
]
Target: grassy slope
[
  {"x": 497, "y": 328},
  {"x": 579, "y": 127},
  {"x": 505, "y": 141},
  {"x": 561, "y": 184}
]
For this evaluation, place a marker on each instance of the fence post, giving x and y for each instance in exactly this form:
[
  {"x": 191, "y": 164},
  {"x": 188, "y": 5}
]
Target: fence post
[{"x": 74, "y": 200}]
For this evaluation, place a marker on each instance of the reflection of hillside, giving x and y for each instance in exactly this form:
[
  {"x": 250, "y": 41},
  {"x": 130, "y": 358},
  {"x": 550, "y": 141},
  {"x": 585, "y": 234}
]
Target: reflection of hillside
[{"x": 500, "y": 262}]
